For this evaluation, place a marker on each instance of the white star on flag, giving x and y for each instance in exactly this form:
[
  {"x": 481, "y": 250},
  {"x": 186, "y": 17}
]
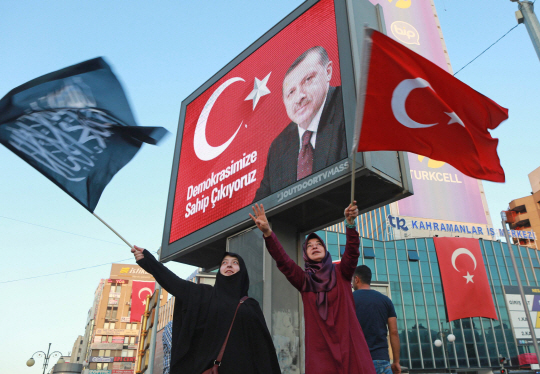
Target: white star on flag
[
  {"x": 259, "y": 90},
  {"x": 454, "y": 118},
  {"x": 469, "y": 277}
]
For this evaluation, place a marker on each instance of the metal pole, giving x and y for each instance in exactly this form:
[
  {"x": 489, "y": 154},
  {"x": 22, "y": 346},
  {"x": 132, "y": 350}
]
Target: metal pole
[
  {"x": 353, "y": 175},
  {"x": 526, "y": 15},
  {"x": 523, "y": 299},
  {"x": 46, "y": 360}
]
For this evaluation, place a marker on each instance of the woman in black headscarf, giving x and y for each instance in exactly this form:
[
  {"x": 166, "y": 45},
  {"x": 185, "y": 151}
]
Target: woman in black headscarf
[{"x": 203, "y": 315}]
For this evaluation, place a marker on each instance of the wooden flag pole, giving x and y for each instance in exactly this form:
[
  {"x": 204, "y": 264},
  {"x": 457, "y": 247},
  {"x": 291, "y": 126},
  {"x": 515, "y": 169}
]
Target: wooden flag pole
[{"x": 113, "y": 230}]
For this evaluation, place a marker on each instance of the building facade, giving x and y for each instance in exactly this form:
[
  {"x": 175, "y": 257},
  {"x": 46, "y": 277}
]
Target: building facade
[
  {"x": 408, "y": 272},
  {"x": 112, "y": 338},
  {"x": 77, "y": 350},
  {"x": 527, "y": 211}
]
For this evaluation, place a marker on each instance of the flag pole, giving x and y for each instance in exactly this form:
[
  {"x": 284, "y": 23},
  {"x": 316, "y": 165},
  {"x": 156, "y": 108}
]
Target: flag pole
[
  {"x": 520, "y": 286},
  {"x": 113, "y": 230},
  {"x": 353, "y": 174},
  {"x": 361, "y": 85}
]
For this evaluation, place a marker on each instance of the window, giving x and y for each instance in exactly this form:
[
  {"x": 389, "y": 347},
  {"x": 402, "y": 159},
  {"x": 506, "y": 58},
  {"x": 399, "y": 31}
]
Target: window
[
  {"x": 104, "y": 339},
  {"x": 413, "y": 256},
  {"x": 132, "y": 340},
  {"x": 101, "y": 353},
  {"x": 118, "y": 288},
  {"x": 126, "y": 340},
  {"x": 114, "y": 313},
  {"x": 107, "y": 353},
  {"x": 112, "y": 325},
  {"x": 131, "y": 353},
  {"x": 99, "y": 366},
  {"x": 128, "y": 326},
  {"x": 105, "y": 366},
  {"x": 106, "y": 325},
  {"x": 109, "y": 339},
  {"x": 124, "y": 353},
  {"x": 369, "y": 252}
]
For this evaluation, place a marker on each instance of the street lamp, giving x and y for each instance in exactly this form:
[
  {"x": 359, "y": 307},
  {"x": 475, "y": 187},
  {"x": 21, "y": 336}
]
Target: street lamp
[
  {"x": 46, "y": 356},
  {"x": 450, "y": 338}
]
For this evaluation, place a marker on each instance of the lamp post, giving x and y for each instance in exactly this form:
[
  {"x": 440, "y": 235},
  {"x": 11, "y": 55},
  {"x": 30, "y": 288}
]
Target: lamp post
[
  {"x": 450, "y": 338},
  {"x": 46, "y": 356}
]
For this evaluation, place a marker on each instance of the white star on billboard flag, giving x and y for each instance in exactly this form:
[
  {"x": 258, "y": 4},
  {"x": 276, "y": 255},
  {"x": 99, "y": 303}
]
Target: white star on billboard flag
[
  {"x": 469, "y": 277},
  {"x": 259, "y": 90}
]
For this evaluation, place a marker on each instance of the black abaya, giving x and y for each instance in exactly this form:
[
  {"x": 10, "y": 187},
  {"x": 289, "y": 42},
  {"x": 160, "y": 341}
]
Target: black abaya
[{"x": 202, "y": 317}]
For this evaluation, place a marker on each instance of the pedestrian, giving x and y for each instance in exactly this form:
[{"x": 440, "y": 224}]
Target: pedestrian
[
  {"x": 375, "y": 312},
  {"x": 334, "y": 342},
  {"x": 203, "y": 315},
  {"x": 166, "y": 338}
]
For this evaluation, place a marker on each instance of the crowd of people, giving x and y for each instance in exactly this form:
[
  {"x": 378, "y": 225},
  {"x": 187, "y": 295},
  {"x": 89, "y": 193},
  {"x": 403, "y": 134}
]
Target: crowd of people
[{"x": 221, "y": 329}]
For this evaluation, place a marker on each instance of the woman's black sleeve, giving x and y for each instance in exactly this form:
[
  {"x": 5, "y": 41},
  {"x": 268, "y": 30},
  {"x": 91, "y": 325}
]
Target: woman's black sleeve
[{"x": 175, "y": 285}]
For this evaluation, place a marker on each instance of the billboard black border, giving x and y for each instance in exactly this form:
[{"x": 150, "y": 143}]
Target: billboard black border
[{"x": 232, "y": 223}]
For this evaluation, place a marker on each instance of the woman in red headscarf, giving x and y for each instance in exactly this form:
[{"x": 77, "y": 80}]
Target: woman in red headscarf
[{"x": 335, "y": 343}]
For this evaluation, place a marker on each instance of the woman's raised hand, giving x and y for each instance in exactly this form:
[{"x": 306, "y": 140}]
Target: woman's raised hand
[
  {"x": 351, "y": 212},
  {"x": 137, "y": 252},
  {"x": 260, "y": 219}
]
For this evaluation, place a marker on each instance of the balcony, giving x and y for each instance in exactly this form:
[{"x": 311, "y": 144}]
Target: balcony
[{"x": 521, "y": 224}]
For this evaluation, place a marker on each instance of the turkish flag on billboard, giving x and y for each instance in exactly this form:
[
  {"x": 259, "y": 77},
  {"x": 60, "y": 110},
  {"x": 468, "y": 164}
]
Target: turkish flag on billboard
[
  {"x": 411, "y": 104},
  {"x": 465, "y": 283},
  {"x": 139, "y": 292}
]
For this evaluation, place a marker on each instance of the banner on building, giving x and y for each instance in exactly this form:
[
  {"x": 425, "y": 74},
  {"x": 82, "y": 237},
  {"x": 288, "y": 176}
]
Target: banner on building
[
  {"x": 139, "y": 293},
  {"x": 124, "y": 332},
  {"x": 464, "y": 278},
  {"x": 518, "y": 317},
  {"x": 107, "y": 345},
  {"x": 118, "y": 339},
  {"x": 101, "y": 359}
]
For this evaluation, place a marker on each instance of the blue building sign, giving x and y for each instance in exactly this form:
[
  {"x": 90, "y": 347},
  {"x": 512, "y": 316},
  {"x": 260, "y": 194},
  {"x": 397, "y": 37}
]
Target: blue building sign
[{"x": 400, "y": 224}]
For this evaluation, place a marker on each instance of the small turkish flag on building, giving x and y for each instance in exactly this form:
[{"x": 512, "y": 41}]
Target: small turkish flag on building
[
  {"x": 408, "y": 103},
  {"x": 139, "y": 292},
  {"x": 465, "y": 283}
]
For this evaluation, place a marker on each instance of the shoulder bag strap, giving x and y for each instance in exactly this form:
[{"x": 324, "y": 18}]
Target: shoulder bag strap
[{"x": 220, "y": 355}]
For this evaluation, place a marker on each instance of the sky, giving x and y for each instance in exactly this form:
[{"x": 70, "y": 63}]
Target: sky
[{"x": 162, "y": 51}]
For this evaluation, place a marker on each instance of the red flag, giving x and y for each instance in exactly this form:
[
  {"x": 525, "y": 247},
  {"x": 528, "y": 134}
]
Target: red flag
[
  {"x": 464, "y": 278},
  {"x": 411, "y": 104},
  {"x": 139, "y": 292}
]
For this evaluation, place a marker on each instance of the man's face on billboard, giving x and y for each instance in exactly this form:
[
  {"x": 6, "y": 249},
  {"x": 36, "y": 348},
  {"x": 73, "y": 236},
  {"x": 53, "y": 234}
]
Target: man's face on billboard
[{"x": 305, "y": 88}]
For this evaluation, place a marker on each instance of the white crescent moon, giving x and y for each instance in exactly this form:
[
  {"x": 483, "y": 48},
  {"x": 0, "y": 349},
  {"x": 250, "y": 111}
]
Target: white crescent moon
[
  {"x": 399, "y": 96},
  {"x": 145, "y": 288},
  {"x": 203, "y": 150},
  {"x": 462, "y": 251}
]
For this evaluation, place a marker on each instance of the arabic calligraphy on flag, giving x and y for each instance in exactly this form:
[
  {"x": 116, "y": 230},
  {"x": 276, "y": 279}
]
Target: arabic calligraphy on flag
[{"x": 74, "y": 126}]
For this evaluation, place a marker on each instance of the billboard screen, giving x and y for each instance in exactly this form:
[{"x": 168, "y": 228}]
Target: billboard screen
[
  {"x": 440, "y": 191},
  {"x": 272, "y": 120},
  {"x": 274, "y": 126}
]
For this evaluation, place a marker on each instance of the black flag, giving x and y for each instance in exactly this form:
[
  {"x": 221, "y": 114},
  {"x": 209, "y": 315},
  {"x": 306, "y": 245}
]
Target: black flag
[{"x": 75, "y": 127}]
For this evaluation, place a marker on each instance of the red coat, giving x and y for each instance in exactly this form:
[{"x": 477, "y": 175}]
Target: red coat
[{"x": 337, "y": 345}]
